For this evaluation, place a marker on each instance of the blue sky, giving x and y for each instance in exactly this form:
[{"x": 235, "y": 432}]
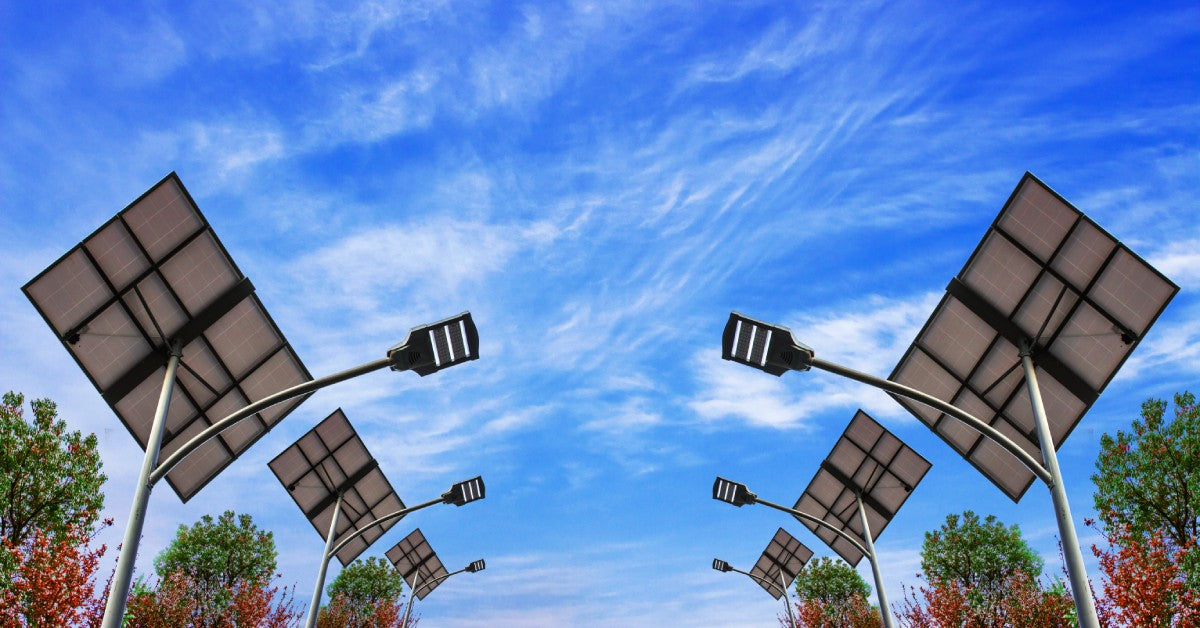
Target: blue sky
[{"x": 599, "y": 184}]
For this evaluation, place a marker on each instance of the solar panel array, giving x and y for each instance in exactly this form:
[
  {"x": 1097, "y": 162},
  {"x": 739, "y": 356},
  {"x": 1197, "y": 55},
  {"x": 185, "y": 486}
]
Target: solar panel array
[
  {"x": 418, "y": 564},
  {"x": 1046, "y": 274},
  {"x": 783, "y": 554},
  {"x": 866, "y": 460},
  {"x": 153, "y": 275},
  {"x": 331, "y": 459}
]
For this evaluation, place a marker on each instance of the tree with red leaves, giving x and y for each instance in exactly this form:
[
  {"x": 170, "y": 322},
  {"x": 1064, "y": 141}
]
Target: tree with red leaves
[
  {"x": 1148, "y": 502},
  {"x": 366, "y": 593},
  {"x": 50, "y": 502},
  {"x": 832, "y": 595}
]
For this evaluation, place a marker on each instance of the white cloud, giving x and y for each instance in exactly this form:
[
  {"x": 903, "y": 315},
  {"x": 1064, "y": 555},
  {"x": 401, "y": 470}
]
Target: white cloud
[{"x": 1180, "y": 262}]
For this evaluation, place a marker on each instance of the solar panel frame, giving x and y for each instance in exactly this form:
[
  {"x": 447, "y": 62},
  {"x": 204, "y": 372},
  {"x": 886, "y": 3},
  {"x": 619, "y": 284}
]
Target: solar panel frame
[
  {"x": 783, "y": 554},
  {"x": 866, "y": 459},
  {"x": 417, "y": 563},
  {"x": 328, "y": 459},
  {"x": 1056, "y": 283},
  {"x": 94, "y": 297}
]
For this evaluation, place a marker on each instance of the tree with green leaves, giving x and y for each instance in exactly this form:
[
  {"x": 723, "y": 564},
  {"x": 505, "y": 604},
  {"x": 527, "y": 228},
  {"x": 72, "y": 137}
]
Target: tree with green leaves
[
  {"x": 1148, "y": 501},
  {"x": 982, "y": 573},
  {"x": 365, "y": 593},
  {"x": 50, "y": 503},
  {"x": 833, "y": 594},
  {"x": 1148, "y": 480},
  {"x": 216, "y": 572}
]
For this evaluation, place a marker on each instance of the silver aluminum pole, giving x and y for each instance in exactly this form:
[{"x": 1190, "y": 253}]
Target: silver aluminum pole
[
  {"x": 311, "y": 620},
  {"x": 1085, "y": 607},
  {"x": 412, "y": 597},
  {"x": 118, "y": 593},
  {"x": 787, "y": 600},
  {"x": 884, "y": 611}
]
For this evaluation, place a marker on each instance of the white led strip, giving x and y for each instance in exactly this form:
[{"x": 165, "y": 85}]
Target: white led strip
[{"x": 437, "y": 359}]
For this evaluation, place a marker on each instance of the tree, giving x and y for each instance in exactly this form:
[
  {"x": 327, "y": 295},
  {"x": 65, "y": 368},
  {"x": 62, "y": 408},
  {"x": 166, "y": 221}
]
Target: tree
[
  {"x": 50, "y": 501},
  {"x": 982, "y": 573},
  {"x": 215, "y": 573},
  {"x": 978, "y": 557},
  {"x": 1148, "y": 500},
  {"x": 833, "y": 594},
  {"x": 1148, "y": 480},
  {"x": 365, "y": 593}
]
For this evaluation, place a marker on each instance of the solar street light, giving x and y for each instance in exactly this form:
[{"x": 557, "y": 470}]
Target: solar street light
[
  {"x": 1046, "y": 290},
  {"x": 864, "y": 546},
  {"x": 776, "y": 568},
  {"x": 421, "y": 568},
  {"x": 172, "y": 335}
]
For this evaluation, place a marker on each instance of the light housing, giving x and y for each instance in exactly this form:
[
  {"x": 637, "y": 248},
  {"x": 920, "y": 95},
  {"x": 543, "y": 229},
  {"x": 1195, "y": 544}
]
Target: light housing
[
  {"x": 476, "y": 566},
  {"x": 732, "y": 492},
  {"x": 465, "y": 492},
  {"x": 769, "y": 348},
  {"x": 721, "y": 565},
  {"x": 433, "y": 347}
]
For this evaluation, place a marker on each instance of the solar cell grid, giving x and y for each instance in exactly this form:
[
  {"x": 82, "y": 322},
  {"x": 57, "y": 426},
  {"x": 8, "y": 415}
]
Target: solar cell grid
[
  {"x": 157, "y": 269},
  {"x": 784, "y": 554},
  {"x": 1046, "y": 275},
  {"x": 330, "y": 460},
  {"x": 869, "y": 461},
  {"x": 417, "y": 563}
]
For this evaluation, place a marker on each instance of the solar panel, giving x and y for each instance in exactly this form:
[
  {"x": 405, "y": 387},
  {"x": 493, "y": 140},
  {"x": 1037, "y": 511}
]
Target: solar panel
[
  {"x": 153, "y": 275},
  {"x": 418, "y": 564},
  {"x": 783, "y": 554},
  {"x": 328, "y": 460},
  {"x": 866, "y": 460},
  {"x": 1045, "y": 274}
]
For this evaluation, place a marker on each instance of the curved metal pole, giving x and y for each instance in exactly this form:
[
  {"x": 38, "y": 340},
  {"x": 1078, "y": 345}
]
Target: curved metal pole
[
  {"x": 787, "y": 601},
  {"x": 118, "y": 592},
  {"x": 281, "y": 396},
  {"x": 381, "y": 520},
  {"x": 938, "y": 404},
  {"x": 435, "y": 581},
  {"x": 807, "y": 517},
  {"x": 884, "y": 611},
  {"x": 1085, "y": 606},
  {"x": 311, "y": 620}
]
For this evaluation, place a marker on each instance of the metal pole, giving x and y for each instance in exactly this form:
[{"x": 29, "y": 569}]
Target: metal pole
[
  {"x": 816, "y": 521},
  {"x": 937, "y": 404},
  {"x": 118, "y": 593},
  {"x": 266, "y": 402},
  {"x": 311, "y": 620},
  {"x": 787, "y": 600},
  {"x": 382, "y": 520},
  {"x": 884, "y": 611},
  {"x": 1085, "y": 607},
  {"x": 412, "y": 597}
]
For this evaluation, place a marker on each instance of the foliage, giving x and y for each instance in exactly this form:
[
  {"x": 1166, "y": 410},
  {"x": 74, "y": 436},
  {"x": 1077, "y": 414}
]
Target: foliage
[
  {"x": 364, "y": 589},
  {"x": 1025, "y": 605},
  {"x": 50, "y": 478},
  {"x": 342, "y": 611},
  {"x": 979, "y": 558},
  {"x": 217, "y": 557},
  {"x": 1148, "y": 482},
  {"x": 52, "y": 584},
  {"x": 1143, "y": 584},
  {"x": 215, "y": 573},
  {"x": 50, "y": 501},
  {"x": 175, "y": 603},
  {"x": 833, "y": 594}
]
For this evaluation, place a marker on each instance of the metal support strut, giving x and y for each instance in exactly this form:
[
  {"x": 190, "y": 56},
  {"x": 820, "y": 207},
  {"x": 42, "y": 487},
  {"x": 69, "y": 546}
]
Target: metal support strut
[
  {"x": 311, "y": 620},
  {"x": 1085, "y": 606},
  {"x": 118, "y": 593},
  {"x": 884, "y": 611}
]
